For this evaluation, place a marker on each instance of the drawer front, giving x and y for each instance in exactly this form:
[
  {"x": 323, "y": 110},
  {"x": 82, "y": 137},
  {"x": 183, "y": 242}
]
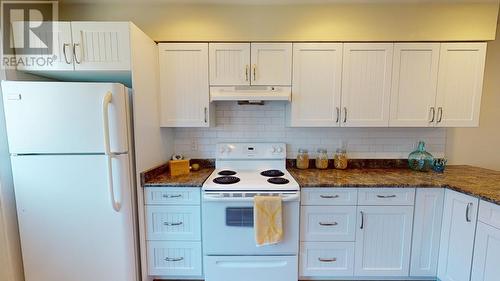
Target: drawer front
[
  {"x": 386, "y": 196},
  {"x": 328, "y": 223},
  {"x": 489, "y": 213},
  {"x": 326, "y": 259},
  {"x": 174, "y": 258},
  {"x": 172, "y": 196},
  {"x": 329, "y": 196},
  {"x": 173, "y": 223}
]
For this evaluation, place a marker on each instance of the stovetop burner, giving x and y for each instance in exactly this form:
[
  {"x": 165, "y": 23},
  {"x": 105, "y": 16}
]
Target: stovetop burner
[
  {"x": 278, "y": 181},
  {"x": 226, "y": 180},
  {"x": 272, "y": 173},
  {"x": 227, "y": 173}
]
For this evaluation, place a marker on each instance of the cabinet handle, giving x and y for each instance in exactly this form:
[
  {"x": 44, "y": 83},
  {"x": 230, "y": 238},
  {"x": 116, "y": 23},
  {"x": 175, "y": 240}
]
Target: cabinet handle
[
  {"x": 362, "y": 220},
  {"x": 174, "y": 259},
  {"x": 338, "y": 114},
  {"x": 329, "y": 196},
  {"x": 467, "y": 211},
  {"x": 327, "y": 260},
  {"x": 172, "y": 223},
  {"x": 246, "y": 72},
  {"x": 386, "y": 196},
  {"x": 74, "y": 52},
  {"x": 440, "y": 114},
  {"x": 433, "y": 113},
  {"x": 254, "y": 72},
  {"x": 328, "y": 223},
  {"x": 206, "y": 117},
  {"x": 345, "y": 114},
  {"x": 171, "y": 195},
  {"x": 65, "y": 45}
]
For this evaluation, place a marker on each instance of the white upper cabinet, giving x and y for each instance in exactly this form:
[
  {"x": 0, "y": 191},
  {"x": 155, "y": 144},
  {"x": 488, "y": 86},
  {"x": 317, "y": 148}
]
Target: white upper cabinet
[
  {"x": 317, "y": 74},
  {"x": 366, "y": 84},
  {"x": 271, "y": 64},
  {"x": 383, "y": 241},
  {"x": 229, "y": 64},
  {"x": 101, "y": 45},
  {"x": 414, "y": 83},
  {"x": 184, "y": 98},
  {"x": 61, "y": 44},
  {"x": 460, "y": 83},
  {"x": 457, "y": 236}
]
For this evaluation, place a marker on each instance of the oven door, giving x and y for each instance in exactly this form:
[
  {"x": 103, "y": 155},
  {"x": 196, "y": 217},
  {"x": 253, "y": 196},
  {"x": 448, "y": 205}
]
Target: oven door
[{"x": 228, "y": 224}]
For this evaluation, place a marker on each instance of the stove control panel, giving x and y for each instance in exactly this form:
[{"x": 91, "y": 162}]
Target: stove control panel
[{"x": 251, "y": 151}]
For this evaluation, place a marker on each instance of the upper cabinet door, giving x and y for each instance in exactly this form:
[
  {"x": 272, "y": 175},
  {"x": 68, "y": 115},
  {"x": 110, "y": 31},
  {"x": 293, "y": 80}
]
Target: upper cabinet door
[
  {"x": 229, "y": 64},
  {"x": 317, "y": 73},
  {"x": 457, "y": 236},
  {"x": 62, "y": 54},
  {"x": 460, "y": 84},
  {"x": 101, "y": 45},
  {"x": 414, "y": 83},
  {"x": 366, "y": 84},
  {"x": 184, "y": 94},
  {"x": 271, "y": 64}
]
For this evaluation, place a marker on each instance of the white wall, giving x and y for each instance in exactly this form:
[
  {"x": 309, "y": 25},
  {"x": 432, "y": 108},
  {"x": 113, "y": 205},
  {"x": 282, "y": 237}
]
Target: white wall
[{"x": 267, "y": 123}]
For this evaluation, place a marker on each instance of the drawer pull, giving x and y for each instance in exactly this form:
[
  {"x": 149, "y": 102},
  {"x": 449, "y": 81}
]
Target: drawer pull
[
  {"x": 328, "y": 223},
  {"x": 172, "y": 223},
  {"x": 386, "y": 196},
  {"x": 329, "y": 196},
  {"x": 327, "y": 260},
  {"x": 174, "y": 259},
  {"x": 172, "y": 195}
]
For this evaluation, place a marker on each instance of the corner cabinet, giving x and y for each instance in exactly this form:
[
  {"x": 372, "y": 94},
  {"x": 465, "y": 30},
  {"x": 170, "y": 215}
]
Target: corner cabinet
[
  {"x": 184, "y": 91},
  {"x": 460, "y": 84},
  {"x": 457, "y": 236}
]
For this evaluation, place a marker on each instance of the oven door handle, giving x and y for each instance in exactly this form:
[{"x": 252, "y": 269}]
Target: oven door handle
[{"x": 217, "y": 198}]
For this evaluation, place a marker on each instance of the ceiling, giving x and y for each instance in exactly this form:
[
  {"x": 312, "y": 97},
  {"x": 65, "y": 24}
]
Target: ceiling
[{"x": 270, "y": 2}]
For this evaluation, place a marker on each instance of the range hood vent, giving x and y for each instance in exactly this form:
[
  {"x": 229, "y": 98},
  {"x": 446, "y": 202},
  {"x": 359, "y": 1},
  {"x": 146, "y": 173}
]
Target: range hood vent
[{"x": 250, "y": 93}]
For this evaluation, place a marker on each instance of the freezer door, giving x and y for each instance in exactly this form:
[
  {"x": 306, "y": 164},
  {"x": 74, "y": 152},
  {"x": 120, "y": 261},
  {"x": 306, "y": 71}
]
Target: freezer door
[
  {"x": 68, "y": 227},
  {"x": 64, "y": 117}
]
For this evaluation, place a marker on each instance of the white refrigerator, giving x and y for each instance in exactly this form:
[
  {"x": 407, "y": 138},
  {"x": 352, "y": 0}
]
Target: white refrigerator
[{"x": 72, "y": 161}]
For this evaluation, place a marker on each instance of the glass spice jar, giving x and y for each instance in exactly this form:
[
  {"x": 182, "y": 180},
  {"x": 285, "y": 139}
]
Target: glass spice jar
[
  {"x": 322, "y": 159},
  {"x": 340, "y": 159},
  {"x": 303, "y": 159}
]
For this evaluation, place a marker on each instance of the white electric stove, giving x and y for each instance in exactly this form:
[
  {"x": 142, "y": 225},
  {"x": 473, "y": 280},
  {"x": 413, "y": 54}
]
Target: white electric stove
[{"x": 244, "y": 170}]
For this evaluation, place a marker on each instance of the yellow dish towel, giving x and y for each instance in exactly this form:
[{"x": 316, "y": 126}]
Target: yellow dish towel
[{"x": 268, "y": 220}]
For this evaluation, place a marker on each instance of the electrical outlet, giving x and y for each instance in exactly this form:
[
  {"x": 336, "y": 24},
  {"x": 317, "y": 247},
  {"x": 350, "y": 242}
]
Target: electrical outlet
[{"x": 194, "y": 145}]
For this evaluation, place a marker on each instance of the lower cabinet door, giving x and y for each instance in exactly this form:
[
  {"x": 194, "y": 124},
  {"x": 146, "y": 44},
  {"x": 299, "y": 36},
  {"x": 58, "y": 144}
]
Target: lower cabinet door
[
  {"x": 250, "y": 268},
  {"x": 486, "y": 262},
  {"x": 457, "y": 236},
  {"x": 174, "y": 258},
  {"x": 326, "y": 259},
  {"x": 383, "y": 238}
]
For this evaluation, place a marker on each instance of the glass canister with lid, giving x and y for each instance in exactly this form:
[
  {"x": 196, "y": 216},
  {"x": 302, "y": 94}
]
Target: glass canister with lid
[
  {"x": 322, "y": 159},
  {"x": 340, "y": 159},
  {"x": 303, "y": 159}
]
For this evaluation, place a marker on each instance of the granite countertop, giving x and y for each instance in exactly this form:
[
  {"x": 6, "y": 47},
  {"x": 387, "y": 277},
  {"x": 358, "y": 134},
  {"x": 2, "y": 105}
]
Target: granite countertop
[
  {"x": 482, "y": 183},
  {"x": 160, "y": 176}
]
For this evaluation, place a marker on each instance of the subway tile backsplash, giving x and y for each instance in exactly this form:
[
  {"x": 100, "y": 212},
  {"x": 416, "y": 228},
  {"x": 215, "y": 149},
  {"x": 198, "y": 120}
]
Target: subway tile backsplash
[{"x": 266, "y": 123}]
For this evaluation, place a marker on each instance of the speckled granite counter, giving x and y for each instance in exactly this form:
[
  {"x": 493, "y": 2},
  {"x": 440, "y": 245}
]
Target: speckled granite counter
[
  {"x": 482, "y": 183},
  {"x": 159, "y": 176}
]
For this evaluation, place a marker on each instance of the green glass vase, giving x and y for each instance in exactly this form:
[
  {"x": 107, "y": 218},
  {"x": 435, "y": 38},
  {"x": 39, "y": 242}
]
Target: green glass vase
[{"x": 420, "y": 160}]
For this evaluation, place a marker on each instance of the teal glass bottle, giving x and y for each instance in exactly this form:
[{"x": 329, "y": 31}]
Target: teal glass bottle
[{"x": 420, "y": 160}]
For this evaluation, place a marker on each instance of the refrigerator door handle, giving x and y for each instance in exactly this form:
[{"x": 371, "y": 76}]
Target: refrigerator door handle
[{"x": 107, "y": 149}]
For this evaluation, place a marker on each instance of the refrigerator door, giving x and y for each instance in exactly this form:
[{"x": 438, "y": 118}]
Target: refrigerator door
[
  {"x": 64, "y": 117},
  {"x": 68, "y": 227}
]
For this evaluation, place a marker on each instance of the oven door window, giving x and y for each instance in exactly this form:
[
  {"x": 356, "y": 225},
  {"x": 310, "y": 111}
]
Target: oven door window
[{"x": 239, "y": 216}]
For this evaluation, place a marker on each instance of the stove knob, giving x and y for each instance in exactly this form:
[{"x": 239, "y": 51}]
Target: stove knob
[
  {"x": 280, "y": 149},
  {"x": 273, "y": 150},
  {"x": 222, "y": 150},
  {"x": 229, "y": 149}
]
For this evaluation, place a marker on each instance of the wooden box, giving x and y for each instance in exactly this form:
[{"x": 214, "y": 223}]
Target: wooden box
[{"x": 178, "y": 167}]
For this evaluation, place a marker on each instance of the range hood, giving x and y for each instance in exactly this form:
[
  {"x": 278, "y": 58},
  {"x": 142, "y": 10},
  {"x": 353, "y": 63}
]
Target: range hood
[{"x": 250, "y": 93}]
